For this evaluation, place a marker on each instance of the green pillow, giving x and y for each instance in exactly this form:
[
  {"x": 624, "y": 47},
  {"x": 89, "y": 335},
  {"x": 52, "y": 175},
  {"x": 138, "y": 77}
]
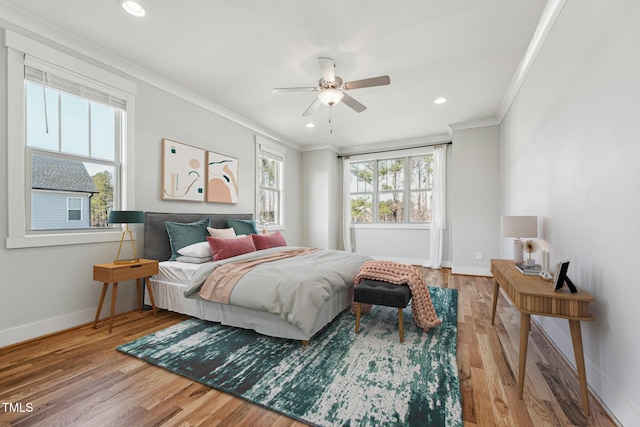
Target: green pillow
[
  {"x": 182, "y": 235},
  {"x": 243, "y": 226}
]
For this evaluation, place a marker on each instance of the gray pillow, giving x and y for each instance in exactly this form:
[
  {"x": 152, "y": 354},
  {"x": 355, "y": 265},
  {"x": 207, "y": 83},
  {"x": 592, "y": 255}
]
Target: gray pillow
[{"x": 182, "y": 235}]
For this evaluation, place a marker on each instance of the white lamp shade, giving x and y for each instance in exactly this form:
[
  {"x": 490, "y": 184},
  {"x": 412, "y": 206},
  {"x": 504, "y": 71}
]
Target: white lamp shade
[
  {"x": 330, "y": 96},
  {"x": 519, "y": 226}
]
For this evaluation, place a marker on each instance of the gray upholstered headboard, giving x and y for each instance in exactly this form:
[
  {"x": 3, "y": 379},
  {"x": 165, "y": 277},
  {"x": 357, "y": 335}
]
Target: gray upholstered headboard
[{"x": 156, "y": 239}]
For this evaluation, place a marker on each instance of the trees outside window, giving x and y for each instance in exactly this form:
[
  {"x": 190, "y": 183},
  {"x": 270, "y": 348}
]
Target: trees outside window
[{"x": 396, "y": 190}]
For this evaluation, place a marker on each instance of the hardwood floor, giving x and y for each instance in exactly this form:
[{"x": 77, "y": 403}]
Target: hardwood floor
[{"x": 78, "y": 378}]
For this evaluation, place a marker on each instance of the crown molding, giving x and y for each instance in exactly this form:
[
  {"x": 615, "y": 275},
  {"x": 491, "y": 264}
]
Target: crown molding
[
  {"x": 471, "y": 124},
  {"x": 27, "y": 25},
  {"x": 316, "y": 147},
  {"x": 550, "y": 14}
]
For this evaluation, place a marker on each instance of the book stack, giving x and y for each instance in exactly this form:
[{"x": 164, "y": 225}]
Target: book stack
[{"x": 529, "y": 270}]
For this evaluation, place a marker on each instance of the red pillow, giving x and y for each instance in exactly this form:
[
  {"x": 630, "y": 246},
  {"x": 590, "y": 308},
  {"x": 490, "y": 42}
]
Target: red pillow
[
  {"x": 226, "y": 248},
  {"x": 266, "y": 241}
]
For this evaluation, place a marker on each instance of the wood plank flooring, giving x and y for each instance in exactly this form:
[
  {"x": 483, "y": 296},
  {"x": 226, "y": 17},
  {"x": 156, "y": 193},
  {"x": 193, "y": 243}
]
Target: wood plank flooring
[{"x": 77, "y": 378}]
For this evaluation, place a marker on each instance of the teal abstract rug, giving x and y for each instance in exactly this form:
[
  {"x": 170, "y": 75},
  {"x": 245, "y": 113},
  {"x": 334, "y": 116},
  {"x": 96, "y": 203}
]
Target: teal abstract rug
[{"x": 340, "y": 379}]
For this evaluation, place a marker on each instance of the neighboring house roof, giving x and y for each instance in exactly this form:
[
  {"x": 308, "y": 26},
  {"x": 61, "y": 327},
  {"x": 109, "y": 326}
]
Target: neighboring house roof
[{"x": 52, "y": 173}]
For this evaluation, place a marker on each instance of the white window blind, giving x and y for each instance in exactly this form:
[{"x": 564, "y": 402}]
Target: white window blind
[{"x": 55, "y": 81}]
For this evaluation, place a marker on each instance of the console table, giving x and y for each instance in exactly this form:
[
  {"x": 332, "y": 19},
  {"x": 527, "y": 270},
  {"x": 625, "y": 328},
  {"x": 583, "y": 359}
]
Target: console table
[{"x": 534, "y": 295}]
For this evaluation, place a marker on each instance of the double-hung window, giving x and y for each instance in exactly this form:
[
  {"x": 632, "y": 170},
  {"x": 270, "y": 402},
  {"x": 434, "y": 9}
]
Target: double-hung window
[
  {"x": 270, "y": 184},
  {"x": 74, "y": 136},
  {"x": 394, "y": 189},
  {"x": 70, "y": 146}
]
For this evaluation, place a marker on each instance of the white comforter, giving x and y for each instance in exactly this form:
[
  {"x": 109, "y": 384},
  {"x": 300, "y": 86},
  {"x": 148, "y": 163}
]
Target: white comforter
[{"x": 293, "y": 288}]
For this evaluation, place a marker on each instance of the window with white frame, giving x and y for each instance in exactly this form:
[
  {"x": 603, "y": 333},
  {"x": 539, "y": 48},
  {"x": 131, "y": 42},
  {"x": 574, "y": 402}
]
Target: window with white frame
[
  {"x": 270, "y": 184},
  {"x": 74, "y": 135},
  {"x": 396, "y": 189},
  {"x": 67, "y": 124},
  {"x": 74, "y": 209}
]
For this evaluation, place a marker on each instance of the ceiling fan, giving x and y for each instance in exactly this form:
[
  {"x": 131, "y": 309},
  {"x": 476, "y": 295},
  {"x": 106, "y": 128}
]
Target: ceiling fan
[{"x": 331, "y": 89}]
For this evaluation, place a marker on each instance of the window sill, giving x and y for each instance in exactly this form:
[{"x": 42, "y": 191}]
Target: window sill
[
  {"x": 393, "y": 226},
  {"x": 62, "y": 239}
]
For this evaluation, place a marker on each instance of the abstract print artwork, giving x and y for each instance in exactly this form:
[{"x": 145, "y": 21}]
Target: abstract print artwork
[
  {"x": 222, "y": 178},
  {"x": 183, "y": 171}
]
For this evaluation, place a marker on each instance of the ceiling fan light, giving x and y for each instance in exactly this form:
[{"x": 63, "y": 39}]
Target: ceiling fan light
[{"x": 330, "y": 96}]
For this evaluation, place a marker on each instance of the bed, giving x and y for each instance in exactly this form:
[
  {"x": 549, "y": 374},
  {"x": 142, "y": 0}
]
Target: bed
[{"x": 175, "y": 279}]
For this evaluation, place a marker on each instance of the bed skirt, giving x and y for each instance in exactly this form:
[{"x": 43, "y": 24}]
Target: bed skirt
[{"x": 170, "y": 296}]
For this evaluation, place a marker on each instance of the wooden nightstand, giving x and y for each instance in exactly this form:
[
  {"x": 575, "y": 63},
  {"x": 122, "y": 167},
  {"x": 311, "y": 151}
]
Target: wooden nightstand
[{"x": 114, "y": 273}]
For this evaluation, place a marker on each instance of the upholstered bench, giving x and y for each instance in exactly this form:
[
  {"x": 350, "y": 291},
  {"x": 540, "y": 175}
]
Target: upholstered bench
[{"x": 381, "y": 293}]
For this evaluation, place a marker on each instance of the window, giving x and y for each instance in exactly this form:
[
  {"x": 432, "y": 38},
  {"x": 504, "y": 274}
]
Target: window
[
  {"x": 74, "y": 209},
  {"x": 70, "y": 156},
  {"x": 391, "y": 190},
  {"x": 74, "y": 135},
  {"x": 270, "y": 183}
]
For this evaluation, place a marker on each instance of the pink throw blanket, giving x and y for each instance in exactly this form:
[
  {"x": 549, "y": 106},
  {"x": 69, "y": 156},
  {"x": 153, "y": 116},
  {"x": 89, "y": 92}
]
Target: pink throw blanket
[{"x": 424, "y": 314}]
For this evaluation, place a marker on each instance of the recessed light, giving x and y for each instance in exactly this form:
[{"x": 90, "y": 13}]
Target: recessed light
[
  {"x": 310, "y": 125},
  {"x": 134, "y": 8},
  {"x": 440, "y": 100}
]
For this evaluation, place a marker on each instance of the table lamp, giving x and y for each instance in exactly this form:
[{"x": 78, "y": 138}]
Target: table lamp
[
  {"x": 126, "y": 217},
  {"x": 519, "y": 226}
]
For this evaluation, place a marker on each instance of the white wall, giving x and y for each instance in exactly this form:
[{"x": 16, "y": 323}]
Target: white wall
[
  {"x": 321, "y": 198},
  {"x": 571, "y": 141},
  {"x": 44, "y": 290},
  {"x": 163, "y": 115},
  {"x": 475, "y": 216},
  {"x": 394, "y": 243}
]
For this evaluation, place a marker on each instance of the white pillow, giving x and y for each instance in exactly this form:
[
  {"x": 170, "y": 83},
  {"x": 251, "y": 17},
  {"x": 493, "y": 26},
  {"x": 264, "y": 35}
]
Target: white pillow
[
  {"x": 194, "y": 260},
  {"x": 197, "y": 250},
  {"x": 222, "y": 233}
]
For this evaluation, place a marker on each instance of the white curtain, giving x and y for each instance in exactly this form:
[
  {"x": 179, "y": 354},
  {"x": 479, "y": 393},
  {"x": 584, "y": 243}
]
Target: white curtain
[
  {"x": 438, "y": 205},
  {"x": 346, "y": 204}
]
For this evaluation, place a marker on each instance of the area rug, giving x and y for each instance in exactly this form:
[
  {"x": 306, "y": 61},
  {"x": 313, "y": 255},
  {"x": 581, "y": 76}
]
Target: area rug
[{"x": 339, "y": 379}]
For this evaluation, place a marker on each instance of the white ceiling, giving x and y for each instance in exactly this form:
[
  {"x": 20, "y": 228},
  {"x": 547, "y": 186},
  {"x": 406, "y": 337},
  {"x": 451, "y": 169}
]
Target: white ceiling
[{"x": 232, "y": 53}]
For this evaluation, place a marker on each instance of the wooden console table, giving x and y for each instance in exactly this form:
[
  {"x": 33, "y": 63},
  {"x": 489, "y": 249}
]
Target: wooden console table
[{"x": 533, "y": 295}]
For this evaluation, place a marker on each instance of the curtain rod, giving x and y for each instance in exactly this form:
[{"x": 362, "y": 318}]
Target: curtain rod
[{"x": 340, "y": 156}]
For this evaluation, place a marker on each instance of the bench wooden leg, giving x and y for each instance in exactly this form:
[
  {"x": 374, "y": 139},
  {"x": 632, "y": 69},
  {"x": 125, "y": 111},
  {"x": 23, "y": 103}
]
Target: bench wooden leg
[
  {"x": 358, "y": 310},
  {"x": 400, "y": 324}
]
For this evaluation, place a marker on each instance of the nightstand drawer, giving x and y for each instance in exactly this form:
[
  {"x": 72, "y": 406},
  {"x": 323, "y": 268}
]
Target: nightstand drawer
[{"x": 111, "y": 273}]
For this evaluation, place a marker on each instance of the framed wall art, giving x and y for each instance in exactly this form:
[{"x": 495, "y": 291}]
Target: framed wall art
[
  {"x": 222, "y": 178},
  {"x": 183, "y": 172}
]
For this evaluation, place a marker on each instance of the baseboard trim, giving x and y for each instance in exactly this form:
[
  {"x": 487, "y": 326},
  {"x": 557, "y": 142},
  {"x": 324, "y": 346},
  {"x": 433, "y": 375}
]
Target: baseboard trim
[
  {"x": 413, "y": 261},
  {"x": 30, "y": 331},
  {"x": 471, "y": 271}
]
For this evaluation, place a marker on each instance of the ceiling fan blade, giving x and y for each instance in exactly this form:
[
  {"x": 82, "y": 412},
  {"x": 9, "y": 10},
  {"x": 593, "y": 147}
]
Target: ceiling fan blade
[
  {"x": 328, "y": 68},
  {"x": 295, "y": 89},
  {"x": 312, "y": 108},
  {"x": 373, "y": 81},
  {"x": 355, "y": 105}
]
